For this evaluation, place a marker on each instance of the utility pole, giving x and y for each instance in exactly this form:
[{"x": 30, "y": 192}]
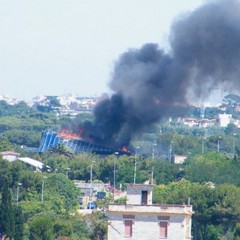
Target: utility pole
[
  {"x": 171, "y": 151},
  {"x": 42, "y": 197},
  {"x": 19, "y": 184},
  {"x": 135, "y": 165},
  {"x": 218, "y": 143},
  {"x": 68, "y": 170},
  {"x": 234, "y": 136},
  {"x": 152, "y": 174},
  {"x": 203, "y": 145},
  {"x": 153, "y": 150},
  {"x": 91, "y": 187}
]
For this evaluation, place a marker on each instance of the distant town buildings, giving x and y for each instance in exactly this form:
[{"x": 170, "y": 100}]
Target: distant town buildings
[
  {"x": 70, "y": 104},
  {"x": 140, "y": 219},
  {"x": 222, "y": 120},
  {"x": 194, "y": 122},
  {"x": 9, "y": 100},
  {"x": 73, "y": 104}
]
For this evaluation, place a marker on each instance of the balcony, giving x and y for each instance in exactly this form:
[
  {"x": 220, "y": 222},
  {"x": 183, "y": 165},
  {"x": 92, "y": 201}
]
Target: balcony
[{"x": 151, "y": 209}]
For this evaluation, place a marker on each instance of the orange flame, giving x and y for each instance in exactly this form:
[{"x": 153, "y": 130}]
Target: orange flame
[
  {"x": 66, "y": 134},
  {"x": 124, "y": 148}
]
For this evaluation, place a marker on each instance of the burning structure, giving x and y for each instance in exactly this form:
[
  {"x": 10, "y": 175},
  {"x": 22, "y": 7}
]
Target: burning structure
[
  {"x": 149, "y": 83},
  {"x": 51, "y": 139}
]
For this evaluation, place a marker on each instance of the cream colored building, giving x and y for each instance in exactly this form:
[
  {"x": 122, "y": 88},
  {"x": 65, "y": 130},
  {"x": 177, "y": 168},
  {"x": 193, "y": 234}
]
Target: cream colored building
[
  {"x": 139, "y": 219},
  {"x": 224, "y": 119}
]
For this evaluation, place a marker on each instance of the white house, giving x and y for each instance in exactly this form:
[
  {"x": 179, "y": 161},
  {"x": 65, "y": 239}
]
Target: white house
[
  {"x": 10, "y": 156},
  {"x": 139, "y": 219},
  {"x": 224, "y": 119},
  {"x": 13, "y": 156},
  {"x": 179, "y": 159}
]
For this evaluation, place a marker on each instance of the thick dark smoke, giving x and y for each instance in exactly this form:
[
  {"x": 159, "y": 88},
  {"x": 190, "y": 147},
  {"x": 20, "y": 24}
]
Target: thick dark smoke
[{"x": 149, "y": 83}]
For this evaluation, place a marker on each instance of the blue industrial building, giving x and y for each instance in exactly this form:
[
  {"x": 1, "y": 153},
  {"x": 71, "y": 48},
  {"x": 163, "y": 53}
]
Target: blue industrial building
[{"x": 51, "y": 139}]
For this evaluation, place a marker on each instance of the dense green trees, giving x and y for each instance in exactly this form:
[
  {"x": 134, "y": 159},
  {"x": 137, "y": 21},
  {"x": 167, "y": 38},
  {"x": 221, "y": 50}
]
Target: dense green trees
[
  {"x": 44, "y": 209},
  {"x": 11, "y": 218},
  {"x": 41, "y": 229},
  {"x": 214, "y": 167},
  {"x": 47, "y": 206},
  {"x": 210, "y": 187},
  {"x": 7, "y": 214},
  {"x": 11, "y": 110},
  {"x": 217, "y": 208}
]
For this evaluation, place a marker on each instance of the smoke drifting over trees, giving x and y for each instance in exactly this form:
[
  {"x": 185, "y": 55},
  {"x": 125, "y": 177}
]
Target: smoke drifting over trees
[{"x": 149, "y": 82}]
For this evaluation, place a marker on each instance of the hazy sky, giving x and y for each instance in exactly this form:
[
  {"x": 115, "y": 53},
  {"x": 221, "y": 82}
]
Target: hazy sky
[{"x": 56, "y": 47}]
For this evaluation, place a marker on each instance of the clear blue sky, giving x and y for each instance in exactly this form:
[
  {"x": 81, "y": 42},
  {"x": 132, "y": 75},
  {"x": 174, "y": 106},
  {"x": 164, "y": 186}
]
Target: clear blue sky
[{"x": 56, "y": 47}]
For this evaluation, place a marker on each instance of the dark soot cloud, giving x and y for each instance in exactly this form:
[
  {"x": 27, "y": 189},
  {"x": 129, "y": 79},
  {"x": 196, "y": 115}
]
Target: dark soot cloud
[{"x": 149, "y": 83}]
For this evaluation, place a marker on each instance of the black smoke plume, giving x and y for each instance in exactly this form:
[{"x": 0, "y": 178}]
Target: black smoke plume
[{"x": 148, "y": 82}]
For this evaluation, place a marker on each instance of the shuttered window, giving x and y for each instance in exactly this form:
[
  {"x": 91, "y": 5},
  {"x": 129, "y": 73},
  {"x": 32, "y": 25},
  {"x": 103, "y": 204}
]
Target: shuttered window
[
  {"x": 128, "y": 228},
  {"x": 163, "y": 229}
]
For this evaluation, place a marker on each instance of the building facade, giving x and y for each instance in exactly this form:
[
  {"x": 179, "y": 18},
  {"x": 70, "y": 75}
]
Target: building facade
[
  {"x": 224, "y": 119},
  {"x": 139, "y": 219}
]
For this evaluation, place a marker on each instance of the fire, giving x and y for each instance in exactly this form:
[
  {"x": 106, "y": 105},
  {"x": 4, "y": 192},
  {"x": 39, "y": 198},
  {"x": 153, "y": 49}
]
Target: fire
[
  {"x": 124, "y": 148},
  {"x": 66, "y": 134}
]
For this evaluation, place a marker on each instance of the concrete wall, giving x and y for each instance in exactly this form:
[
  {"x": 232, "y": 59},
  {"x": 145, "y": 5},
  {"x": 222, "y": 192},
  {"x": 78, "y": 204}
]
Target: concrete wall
[
  {"x": 134, "y": 193},
  {"x": 146, "y": 227}
]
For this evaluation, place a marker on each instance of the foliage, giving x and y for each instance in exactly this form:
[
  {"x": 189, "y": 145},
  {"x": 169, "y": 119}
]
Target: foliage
[
  {"x": 11, "y": 110},
  {"x": 19, "y": 220},
  {"x": 58, "y": 183},
  {"x": 5, "y": 144},
  {"x": 41, "y": 229},
  {"x": 213, "y": 167},
  {"x": 61, "y": 150},
  {"x": 98, "y": 222},
  {"x": 217, "y": 209},
  {"x": 213, "y": 189},
  {"x": 7, "y": 224},
  {"x": 23, "y": 137}
]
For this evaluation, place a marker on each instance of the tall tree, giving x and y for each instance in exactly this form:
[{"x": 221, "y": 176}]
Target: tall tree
[
  {"x": 41, "y": 229},
  {"x": 7, "y": 224},
  {"x": 18, "y": 214}
]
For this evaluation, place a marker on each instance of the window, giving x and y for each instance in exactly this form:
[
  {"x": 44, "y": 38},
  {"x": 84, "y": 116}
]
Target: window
[
  {"x": 163, "y": 229},
  {"x": 144, "y": 197},
  {"x": 128, "y": 224},
  {"x": 128, "y": 228},
  {"x": 163, "y": 226}
]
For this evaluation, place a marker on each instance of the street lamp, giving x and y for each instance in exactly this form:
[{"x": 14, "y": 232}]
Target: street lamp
[
  {"x": 91, "y": 188},
  {"x": 171, "y": 150},
  {"x": 19, "y": 184},
  {"x": 203, "y": 145},
  {"x": 42, "y": 197},
  {"x": 234, "y": 136},
  {"x": 114, "y": 174},
  {"x": 153, "y": 150},
  {"x": 68, "y": 170},
  {"x": 135, "y": 165},
  {"x": 218, "y": 143},
  {"x": 152, "y": 174}
]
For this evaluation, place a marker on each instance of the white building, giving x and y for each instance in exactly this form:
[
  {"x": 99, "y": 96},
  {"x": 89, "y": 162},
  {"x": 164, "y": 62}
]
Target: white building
[
  {"x": 13, "y": 156},
  {"x": 179, "y": 159},
  {"x": 224, "y": 119},
  {"x": 10, "y": 156},
  {"x": 138, "y": 219}
]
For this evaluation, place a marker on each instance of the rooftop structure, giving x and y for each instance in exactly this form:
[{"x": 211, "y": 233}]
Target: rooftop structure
[
  {"x": 51, "y": 139},
  {"x": 13, "y": 156},
  {"x": 224, "y": 119},
  {"x": 140, "y": 219}
]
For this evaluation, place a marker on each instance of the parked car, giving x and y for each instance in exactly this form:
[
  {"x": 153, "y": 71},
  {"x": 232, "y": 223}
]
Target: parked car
[
  {"x": 101, "y": 195},
  {"x": 91, "y": 205}
]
